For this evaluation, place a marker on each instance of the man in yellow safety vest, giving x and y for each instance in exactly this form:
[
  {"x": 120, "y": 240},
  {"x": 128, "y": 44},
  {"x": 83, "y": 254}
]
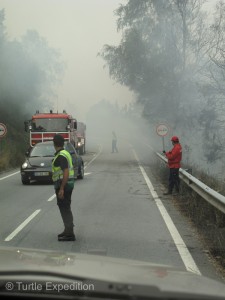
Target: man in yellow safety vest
[{"x": 63, "y": 179}]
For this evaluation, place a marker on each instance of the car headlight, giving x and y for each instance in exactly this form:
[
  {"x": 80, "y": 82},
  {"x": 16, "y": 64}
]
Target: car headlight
[
  {"x": 79, "y": 144},
  {"x": 24, "y": 165}
]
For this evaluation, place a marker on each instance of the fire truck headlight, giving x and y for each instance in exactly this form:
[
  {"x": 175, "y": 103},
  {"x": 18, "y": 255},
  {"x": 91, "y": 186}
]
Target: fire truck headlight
[
  {"x": 24, "y": 165},
  {"x": 79, "y": 144}
]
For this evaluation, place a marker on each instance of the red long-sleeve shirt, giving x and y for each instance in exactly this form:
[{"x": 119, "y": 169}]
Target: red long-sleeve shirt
[{"x": 174, "y": 156}]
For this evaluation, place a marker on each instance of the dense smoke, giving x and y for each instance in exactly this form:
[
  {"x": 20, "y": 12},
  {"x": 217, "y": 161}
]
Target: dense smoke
[
  {"x": 29, "y": 70},
  {"x": 172, "y": 58}
]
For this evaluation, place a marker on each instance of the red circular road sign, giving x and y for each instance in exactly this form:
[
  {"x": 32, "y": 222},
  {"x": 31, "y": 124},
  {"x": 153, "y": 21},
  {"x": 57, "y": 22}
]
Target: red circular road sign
[
  {"x": 162, "y": 129},
  {"x": 3, "y": 130}
]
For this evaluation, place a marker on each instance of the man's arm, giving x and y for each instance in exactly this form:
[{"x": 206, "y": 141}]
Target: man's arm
[
  {"x": 63, "y": 183},
  {"x": 65, "y": 168},
  {"x": 173, "y": 153}
]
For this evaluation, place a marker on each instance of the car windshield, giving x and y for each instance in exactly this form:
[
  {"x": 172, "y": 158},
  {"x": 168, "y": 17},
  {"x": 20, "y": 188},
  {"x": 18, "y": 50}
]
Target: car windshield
[
  {"x": 133, "y": 91},
  {"x": 42, "y": 150}
]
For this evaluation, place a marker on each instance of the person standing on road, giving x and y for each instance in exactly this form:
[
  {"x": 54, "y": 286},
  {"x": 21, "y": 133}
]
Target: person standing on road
[
  {"x": 114, "y": 142},
  {"x": 174, "y": 158},
  {"x": 63, "y": 179}
]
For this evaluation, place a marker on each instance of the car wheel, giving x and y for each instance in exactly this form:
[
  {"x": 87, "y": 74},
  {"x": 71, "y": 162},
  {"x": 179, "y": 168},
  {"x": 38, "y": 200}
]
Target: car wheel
[
  {"x": 81, "y": 172},
  {"x": 25, "y": 180}
]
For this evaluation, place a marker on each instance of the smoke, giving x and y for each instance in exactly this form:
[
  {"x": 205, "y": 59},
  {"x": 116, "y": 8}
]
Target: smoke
[
  {"x": 29, "y": 70},
  {"x": 169, "y": 56},
  {"x": 126, "y": 121}
]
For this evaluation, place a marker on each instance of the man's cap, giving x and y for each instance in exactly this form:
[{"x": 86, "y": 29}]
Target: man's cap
[{"x": 175, "y": 138}]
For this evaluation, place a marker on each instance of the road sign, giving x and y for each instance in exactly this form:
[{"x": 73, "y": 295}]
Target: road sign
[
  {"x": 162, "y": 129},
  {"x": 3, "y": 130}
]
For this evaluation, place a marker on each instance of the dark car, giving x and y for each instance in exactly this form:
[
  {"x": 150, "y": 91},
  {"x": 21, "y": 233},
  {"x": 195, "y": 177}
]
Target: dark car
[{"x": 38, "y": 163}]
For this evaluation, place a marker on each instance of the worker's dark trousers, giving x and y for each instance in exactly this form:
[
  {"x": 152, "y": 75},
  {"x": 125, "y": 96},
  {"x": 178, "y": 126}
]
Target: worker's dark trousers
[
  {"x": 174, "y": 180},
  {"x": 65, "y": 209},
  {"x": 114, "y": 147}
]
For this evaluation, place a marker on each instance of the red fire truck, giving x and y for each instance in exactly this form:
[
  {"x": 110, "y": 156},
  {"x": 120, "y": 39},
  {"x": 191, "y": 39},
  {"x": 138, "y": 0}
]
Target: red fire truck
[{"x": 43, "y": 126}]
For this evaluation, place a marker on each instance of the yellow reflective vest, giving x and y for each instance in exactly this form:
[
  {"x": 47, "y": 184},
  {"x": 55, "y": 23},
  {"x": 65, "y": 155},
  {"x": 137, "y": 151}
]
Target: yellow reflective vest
[{"x": 57, "y": 172}]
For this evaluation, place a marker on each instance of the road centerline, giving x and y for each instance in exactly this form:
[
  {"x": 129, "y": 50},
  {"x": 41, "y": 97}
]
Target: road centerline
[
  {"x": 2, "y": 178},
  {"x": 86, "y": 165},
  {"x": 52, "y": 197},
  {"x": 100, "y": 150},
  {"x": 21, "y": 226}
]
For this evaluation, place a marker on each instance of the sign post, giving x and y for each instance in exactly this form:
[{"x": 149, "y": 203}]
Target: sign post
[
  {"x": 162, "y": 130},
  {"x": 3, "y": 131}
]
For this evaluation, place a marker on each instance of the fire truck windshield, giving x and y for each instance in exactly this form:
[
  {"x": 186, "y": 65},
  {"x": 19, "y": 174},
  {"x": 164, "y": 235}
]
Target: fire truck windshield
[{"x": 53, "y": 124}]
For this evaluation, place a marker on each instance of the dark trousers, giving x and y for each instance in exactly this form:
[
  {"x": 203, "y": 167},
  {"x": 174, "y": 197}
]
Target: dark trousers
[
  {"x": 114, "y": 147},
  {"x": 65, "y": 209},
  {"x": 174, "y": 180}
]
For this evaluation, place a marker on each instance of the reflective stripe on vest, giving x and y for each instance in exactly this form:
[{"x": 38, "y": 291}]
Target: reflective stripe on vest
[{"x": 57, "y": 172}]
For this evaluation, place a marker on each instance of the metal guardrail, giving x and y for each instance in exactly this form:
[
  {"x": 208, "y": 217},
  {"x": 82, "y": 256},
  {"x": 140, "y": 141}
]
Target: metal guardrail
[{"x": 210, "y": 195}]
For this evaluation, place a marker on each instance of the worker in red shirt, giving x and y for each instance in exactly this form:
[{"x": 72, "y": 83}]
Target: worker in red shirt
[{"x": 174, "y": 158}]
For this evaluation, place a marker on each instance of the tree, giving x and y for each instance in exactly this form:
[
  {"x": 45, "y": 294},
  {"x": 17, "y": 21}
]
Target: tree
[
  {"x": 157, "y": 57},
  {"x": 29, "y": 70},
  {"x": 174, "y": 61}
]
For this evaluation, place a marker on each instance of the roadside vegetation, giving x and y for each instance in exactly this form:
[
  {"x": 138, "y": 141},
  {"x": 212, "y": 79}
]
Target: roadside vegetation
[
  {"x": 171, "y": 56},
  {"x": 29, "y": 71}
]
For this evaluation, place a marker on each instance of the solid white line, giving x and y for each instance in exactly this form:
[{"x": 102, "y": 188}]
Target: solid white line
[
  {"x": 9, "y": 175},
  {"x": 52, "y": 198},
  {"x": 19, "y": 228},
  {"x": 180, "y": 244}
]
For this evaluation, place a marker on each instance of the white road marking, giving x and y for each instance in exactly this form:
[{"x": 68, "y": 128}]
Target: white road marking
[
  {"x": 180, "y": 244},
  {"x": 10, "y": 175},
  {"x": 22, "y": 225},
  {"x": 100, "y": 150},
  {"x": 85, "y": 174},
  {"x": 52, "y": 197}
]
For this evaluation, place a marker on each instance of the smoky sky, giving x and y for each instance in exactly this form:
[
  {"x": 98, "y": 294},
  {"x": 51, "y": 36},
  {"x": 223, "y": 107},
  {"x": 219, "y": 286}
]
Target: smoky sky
[{"x": 78, "y": 29}]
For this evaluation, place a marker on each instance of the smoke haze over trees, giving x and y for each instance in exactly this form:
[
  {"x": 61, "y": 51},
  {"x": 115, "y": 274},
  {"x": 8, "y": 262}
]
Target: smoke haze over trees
[
  {"x": 29, "y": 70},
  {"x": 173, "y": 59},
  {"x": 171, "y": 56}
]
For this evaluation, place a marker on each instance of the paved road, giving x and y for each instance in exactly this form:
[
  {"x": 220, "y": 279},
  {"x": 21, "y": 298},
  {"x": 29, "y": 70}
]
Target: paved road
[{"x": 118, "y": 211}]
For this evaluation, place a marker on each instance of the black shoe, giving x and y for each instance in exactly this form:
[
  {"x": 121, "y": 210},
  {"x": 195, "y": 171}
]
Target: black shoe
[
  {"x": 176, "y": 193},
  {"x": 67, "y": 231},
  {"x": 67, "y": 237},
  {"x": 61, "y": 234},
  {"x": 167, "y": 193}
]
